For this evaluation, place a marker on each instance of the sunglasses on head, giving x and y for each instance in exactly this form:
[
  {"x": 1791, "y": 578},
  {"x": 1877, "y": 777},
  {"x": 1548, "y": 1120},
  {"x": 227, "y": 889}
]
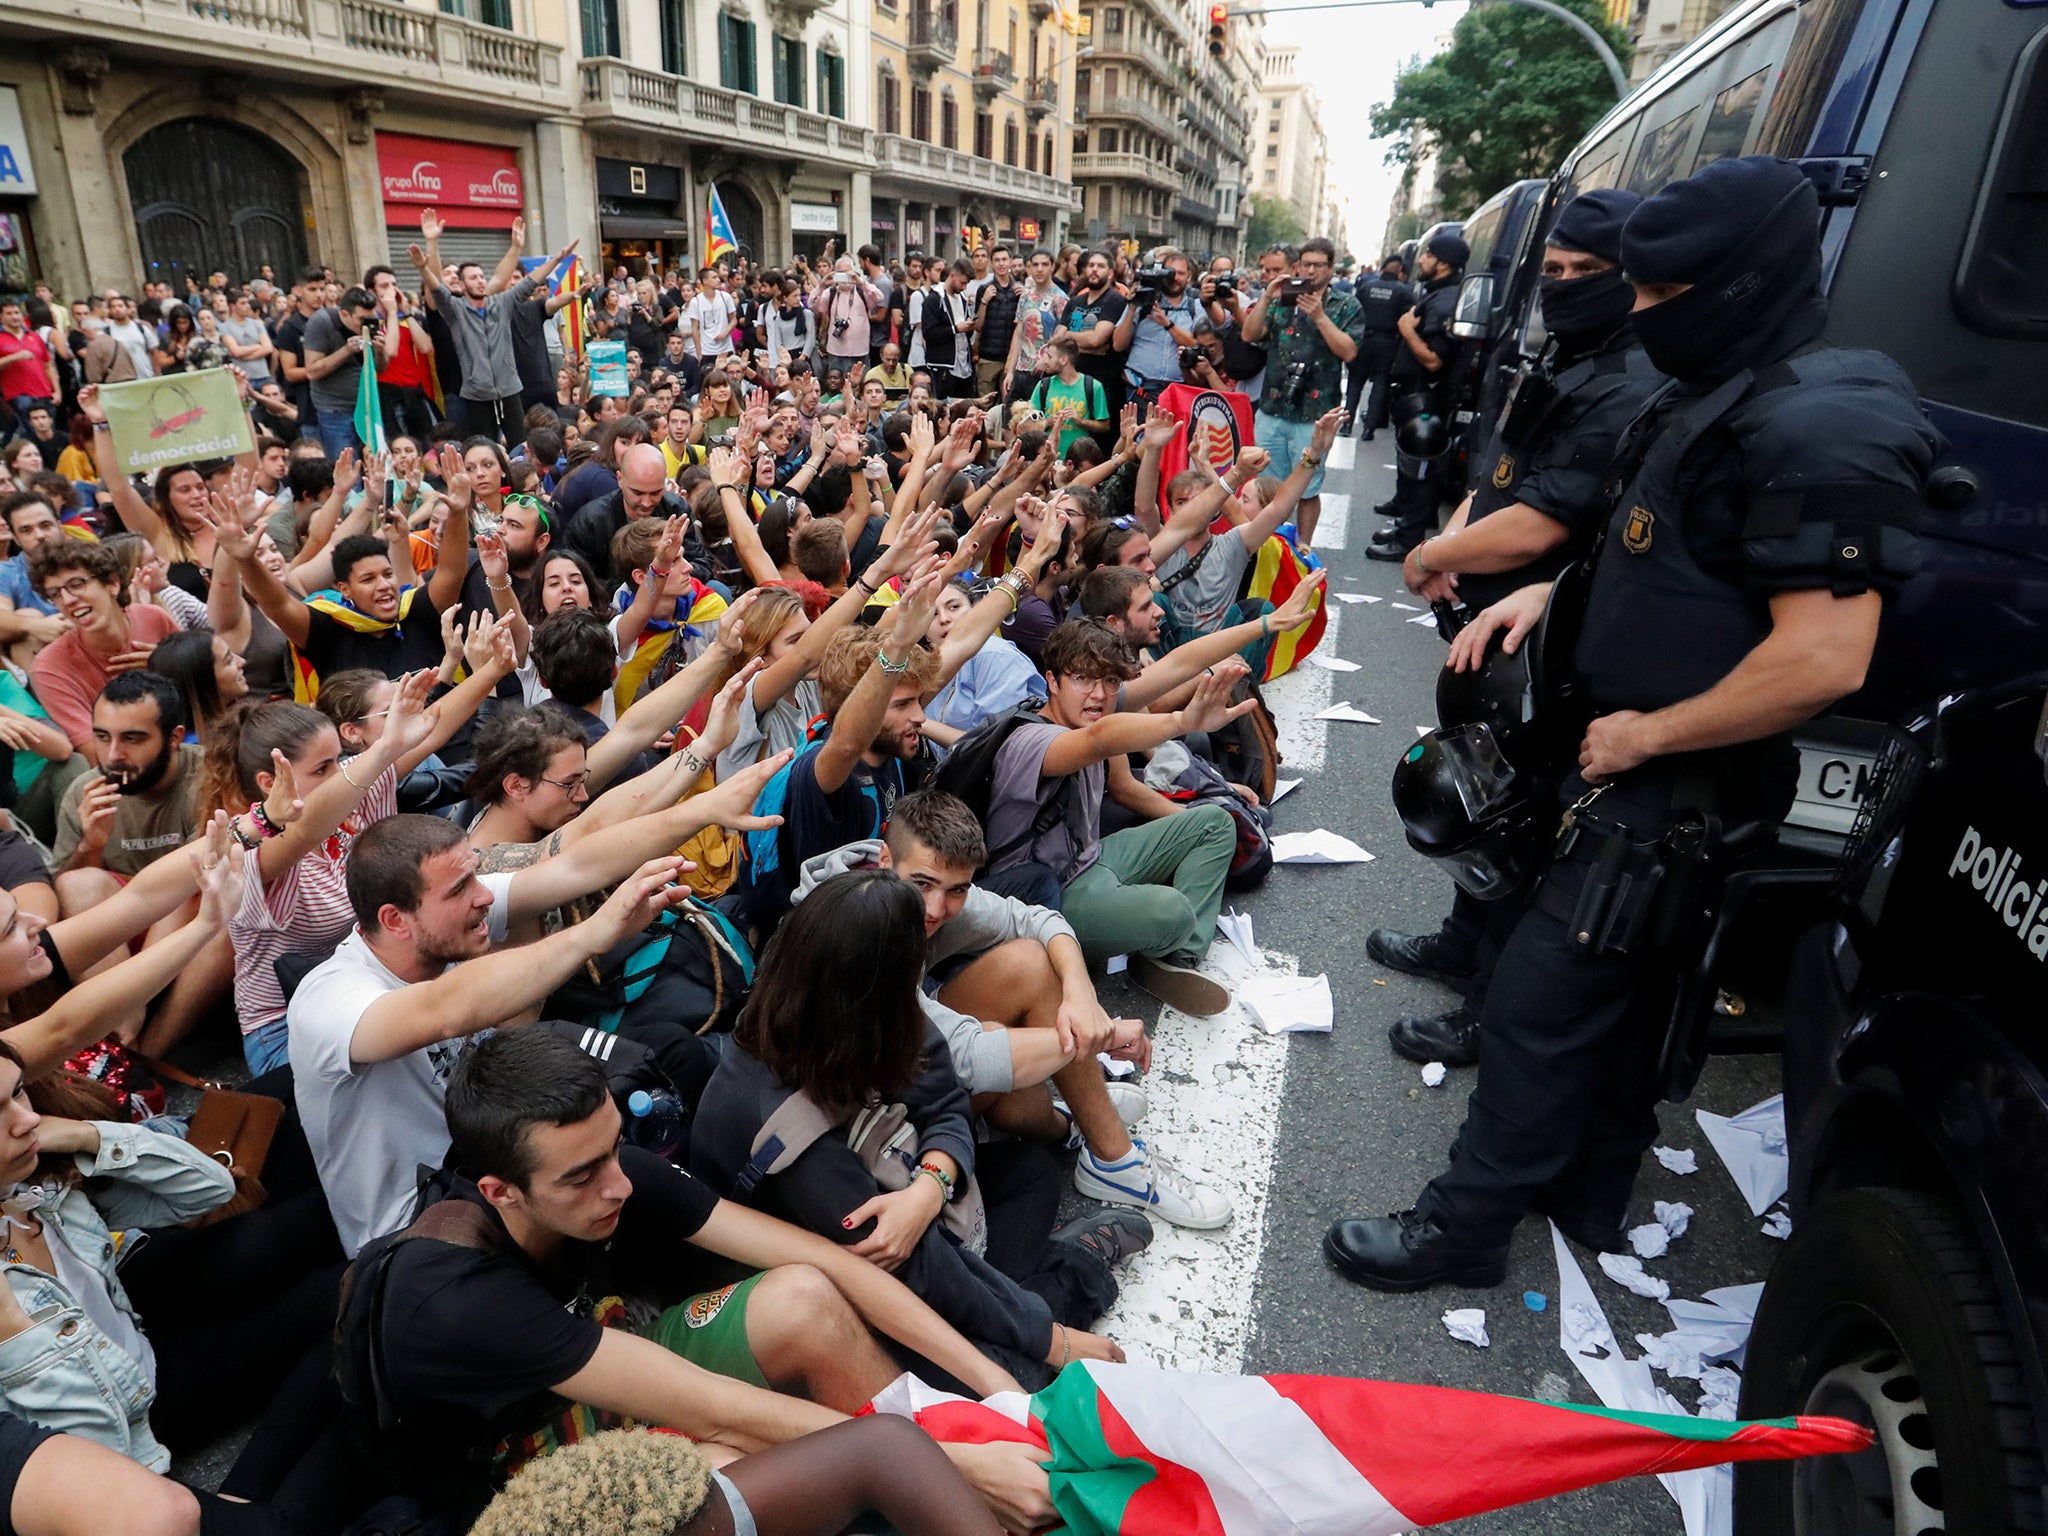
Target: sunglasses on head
[{"x": 528, "y": 499}]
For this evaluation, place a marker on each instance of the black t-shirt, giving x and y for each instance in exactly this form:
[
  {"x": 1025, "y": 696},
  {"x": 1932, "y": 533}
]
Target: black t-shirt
[
  {"x": 530, "y": 342},
  {"x": 332, "y": 646},
  {"x": 998, "y": 320},
  {"x": 20, "y": 864},
  {"x": 291, "y": 338},
  {"x": 1083, "y": 314},
  {"x": 475, "y": 1341},
  {"x": 867, "y": 548}
]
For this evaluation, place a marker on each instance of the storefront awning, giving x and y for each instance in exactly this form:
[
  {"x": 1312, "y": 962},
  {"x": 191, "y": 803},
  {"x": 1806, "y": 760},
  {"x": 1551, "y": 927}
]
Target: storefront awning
[{"x": 619, "y": 226}]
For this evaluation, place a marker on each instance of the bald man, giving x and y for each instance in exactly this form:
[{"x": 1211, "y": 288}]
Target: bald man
[{"x": 644, "y": 491}]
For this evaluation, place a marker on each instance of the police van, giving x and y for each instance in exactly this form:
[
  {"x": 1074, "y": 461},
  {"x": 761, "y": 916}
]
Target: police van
[
  {"x": 1913, "y": 1293},
  {"x": 1925, "y": 127}
]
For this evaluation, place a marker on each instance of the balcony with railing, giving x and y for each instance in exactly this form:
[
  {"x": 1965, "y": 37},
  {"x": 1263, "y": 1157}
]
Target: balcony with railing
[
  {"x": 933, "y": 40},
  {"x": 1137, "y": 46},
  {"x": 361, "y": 42},
  {"x": 647, "y": 98},
  {"x": 1122, "y": 165},
  {"x": 1157, "y": 118},
  {"x": 1041, "y": 95},
  {"x": 957, "y": 171},
  {"x": 993, "y": 72}
]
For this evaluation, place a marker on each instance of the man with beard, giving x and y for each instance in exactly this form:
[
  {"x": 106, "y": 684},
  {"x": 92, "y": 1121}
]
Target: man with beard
[
  {"x": 1767, "y": 505},
  {"x": 1095, "y": 315},
  {"x": 142, "y": 803},
  {"x": 1424, "y": 365},
  {"x": 871, "y": 685},
  {"x": 1534, "y": 512}
]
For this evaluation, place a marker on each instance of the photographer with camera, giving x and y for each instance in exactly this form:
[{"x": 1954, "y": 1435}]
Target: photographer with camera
[
  {"x": 845, "y": 302},
  {"x": 1167, "y": 308},
  {"x": 1309, "y": 334}
]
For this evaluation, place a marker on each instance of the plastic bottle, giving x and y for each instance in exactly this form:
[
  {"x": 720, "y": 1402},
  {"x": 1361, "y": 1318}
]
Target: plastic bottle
[{"x": 656, "y": 1123}]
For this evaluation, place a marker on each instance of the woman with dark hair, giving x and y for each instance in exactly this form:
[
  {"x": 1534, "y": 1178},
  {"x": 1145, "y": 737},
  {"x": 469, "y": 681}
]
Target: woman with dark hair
[
  {"x": 179, "y": 336},
  {"x": 209, "y": 675},
  {"x": 835, "y": 1031}
]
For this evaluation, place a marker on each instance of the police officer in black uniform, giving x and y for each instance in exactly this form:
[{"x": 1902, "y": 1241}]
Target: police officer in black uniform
[
  {"x": 1535, "y": 511},
  {"x": 1425, "y": 369},
  {"x": 1384, "y": 299},
  {"x": 1768, "y": 502}
]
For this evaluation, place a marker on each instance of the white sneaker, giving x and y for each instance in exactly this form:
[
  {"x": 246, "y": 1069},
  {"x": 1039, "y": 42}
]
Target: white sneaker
[
  {"x": 1130, "y": 1101},
  {"x": 1180, "y": 986},
  {"x": 1150, "y": 1183}
]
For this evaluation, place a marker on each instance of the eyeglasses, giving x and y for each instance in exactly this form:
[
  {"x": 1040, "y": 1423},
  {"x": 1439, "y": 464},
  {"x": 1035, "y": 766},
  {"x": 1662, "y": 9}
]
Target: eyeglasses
[
  {"x": 574, "y": 785},
  {"x": 70, "y": 588}
]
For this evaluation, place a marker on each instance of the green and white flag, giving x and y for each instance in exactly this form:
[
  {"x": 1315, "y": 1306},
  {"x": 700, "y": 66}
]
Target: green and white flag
[
  {"x": 369, "y": 418},
  {"x": 177, "y": 419}
]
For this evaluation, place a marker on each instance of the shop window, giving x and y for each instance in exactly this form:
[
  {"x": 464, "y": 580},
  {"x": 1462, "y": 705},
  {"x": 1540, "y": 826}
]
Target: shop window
[
  {"x": 788, "y": 58},
  {"x": 831, "y": 85},
  {"x": 600, "y": 20},
  {"x": 735, "y": 53},
  {"x": 675, "y": 27}
]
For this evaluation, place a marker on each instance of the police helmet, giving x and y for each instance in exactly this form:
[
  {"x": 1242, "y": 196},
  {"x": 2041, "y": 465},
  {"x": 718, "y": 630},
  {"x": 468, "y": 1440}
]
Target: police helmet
[
  {"x": 1465, "y": 807},
  {"x": 1505, "y": 693},
  {"x": 1419, "y": 431}
]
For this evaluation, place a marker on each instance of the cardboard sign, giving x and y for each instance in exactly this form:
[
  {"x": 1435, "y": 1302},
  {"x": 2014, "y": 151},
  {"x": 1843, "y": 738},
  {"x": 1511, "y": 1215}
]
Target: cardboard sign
[
  {"x": 608, "y": 369},
  {"x": 177, "y": 420}
]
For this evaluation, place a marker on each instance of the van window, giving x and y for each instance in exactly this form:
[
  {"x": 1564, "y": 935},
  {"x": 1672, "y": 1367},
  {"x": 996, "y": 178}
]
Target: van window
[
  {"x": 1482, "y": 230},
  {"x": 1811, "y": 64},
  {"x": 1600, "y": 166},
  {"x": 2003, "y": 284},
  {"x": 1728, "y": 123},
  {"x": 1657, "y": 155}
]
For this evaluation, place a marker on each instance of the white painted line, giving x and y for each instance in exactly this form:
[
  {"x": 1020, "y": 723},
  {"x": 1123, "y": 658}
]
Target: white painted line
[
  {"x": 1296, "y": 699},
  {"x": 1215, "y": 1087},
  {"x": 1343, "y": 452},
  {"x": 1335, "y": 524}
]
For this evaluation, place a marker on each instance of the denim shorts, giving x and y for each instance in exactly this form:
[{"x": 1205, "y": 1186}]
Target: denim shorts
[
  {"x": 263, "y": 1047},
  {"x": 1287, "y": 441}
]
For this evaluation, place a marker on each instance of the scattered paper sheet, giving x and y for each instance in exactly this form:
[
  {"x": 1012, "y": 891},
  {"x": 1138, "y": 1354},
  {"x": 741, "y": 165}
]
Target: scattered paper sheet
[
  {"x": 1317, "y": 847},
  {"x": 1650, "y": 1241},
  {"x": 1115, "y": 1069},
  {"x": 1409, "y": 606},
  {"x": 1467, "y": 1325},
  {"x": 1331, "y": 663},
  {"x": 1116, "y": 965},
  {"x": 1676, "y": 1354},
  {"x": 1679, "y": 1161},
  {"x": 1779, "y": 1225},
  {"x": 1237, "y": 927},
  {"x": 1752, "y": 1145},
  {"x": 1348, "y": 711},
  {"x": 1705, "y": 1498},
  {"x": 1433, "y": 1074},
  {"x": 1721, "y": 1388},
  {"x": 1627, "y": 1271},
  {"x": 1356, "y": 597},
  {"x": 1721, "y": 1322},
  {"x": 1282, "y": 788},
  {"x": 1289, "y": 1004},
  {"x": 1673, "y": 1215},
  {"x": 1420, "y": 618}
]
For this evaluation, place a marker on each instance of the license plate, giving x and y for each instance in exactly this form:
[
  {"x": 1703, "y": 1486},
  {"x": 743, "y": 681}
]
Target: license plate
[{"x": 1832, "y": 784}]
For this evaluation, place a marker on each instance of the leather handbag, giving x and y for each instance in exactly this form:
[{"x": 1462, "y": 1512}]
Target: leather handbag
[{"x": 233, "y": 1128}]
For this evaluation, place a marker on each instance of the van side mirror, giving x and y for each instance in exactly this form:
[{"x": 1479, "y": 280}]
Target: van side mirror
[{"x": 1474, "y": 314}]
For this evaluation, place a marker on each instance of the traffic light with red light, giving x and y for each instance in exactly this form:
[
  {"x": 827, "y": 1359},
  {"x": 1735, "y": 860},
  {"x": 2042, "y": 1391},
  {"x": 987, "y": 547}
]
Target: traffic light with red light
[{"x": 1219, "y": 31}]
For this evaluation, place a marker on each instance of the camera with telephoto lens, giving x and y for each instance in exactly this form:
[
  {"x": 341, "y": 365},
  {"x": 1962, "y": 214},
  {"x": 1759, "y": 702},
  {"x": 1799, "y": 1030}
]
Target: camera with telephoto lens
[
  {"x": 1290, "y": 388},
  {"x": 1191, "y": 361},
  {"x": 1150, "y": 283}
]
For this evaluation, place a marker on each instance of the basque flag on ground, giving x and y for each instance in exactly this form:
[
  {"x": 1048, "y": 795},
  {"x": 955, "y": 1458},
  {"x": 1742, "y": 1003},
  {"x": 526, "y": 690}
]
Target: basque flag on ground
[{"x": 1134, "y": 1451}]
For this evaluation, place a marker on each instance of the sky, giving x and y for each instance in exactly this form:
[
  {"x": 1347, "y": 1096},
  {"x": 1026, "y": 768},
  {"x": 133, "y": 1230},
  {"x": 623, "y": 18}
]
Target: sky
[{"x": 1350, "y": 56}]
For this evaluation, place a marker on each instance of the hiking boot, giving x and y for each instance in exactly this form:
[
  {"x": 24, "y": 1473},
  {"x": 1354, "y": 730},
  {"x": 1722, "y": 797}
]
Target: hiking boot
[
  {"x": 1110, "y": 1234},
  {"x": 1427, "y": 955},
  {"x": 1179, "y": 986},
  {"x": 1150, "y": 1183}
]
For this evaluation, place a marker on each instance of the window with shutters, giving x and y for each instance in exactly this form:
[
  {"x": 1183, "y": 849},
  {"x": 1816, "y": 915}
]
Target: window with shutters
[
  {"x": 1009, "y": 141},
  {"x": 788, "y": 56},
  {"x": 949, "y": 121},
  {"x": 831, "y": 84},
  {"x": 600, "y": 20},
  {"x": 674, "y": 29},
  {"x": 1031, "y": 153},
  {"x": 888, "y": 101},
  {"x": 985, "y": 135},
  {"x": 736, "y": 54},
  {"x": 921, "y": 113}
]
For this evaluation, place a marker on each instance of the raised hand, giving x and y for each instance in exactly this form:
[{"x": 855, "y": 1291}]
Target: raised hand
[
  {"x": 480, "y": 645},
  {"x": 408, "y": 724},
  {"x": 722, "y": 719},
  {"x": 640, "y": 898},
  {"x": 223, "y": 874},
  {"x": 1210, "y": 709},
  {"x": 730, "y": 640},
  {"x": 1160, "y": 427},
  {"x": 431, "y": 225},
  {"x": 731, "y": 804},
  {"x": 347, "y": 470},
  {"x": 1300, "y": 605},
  {"x": 1325, "y": 432},
  {"x": 282, "y": 804},
  {"x": 490, "y": 554},
  {"x": 911, "y": 615}
]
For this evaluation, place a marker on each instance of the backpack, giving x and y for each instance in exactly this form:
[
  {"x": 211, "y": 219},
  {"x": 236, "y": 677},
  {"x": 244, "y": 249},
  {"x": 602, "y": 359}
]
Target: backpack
[
  {"x": 969, "y": 772},
  {"x": 690, "y": 968},
  {"x": 1247, "y": 750},
  {"x": 1201, "y": 783}
]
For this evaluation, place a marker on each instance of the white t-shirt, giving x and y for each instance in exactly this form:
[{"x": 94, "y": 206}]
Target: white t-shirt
[
  {"x": 713, "y": 315},
  {"x": 371, "y": 1125}
]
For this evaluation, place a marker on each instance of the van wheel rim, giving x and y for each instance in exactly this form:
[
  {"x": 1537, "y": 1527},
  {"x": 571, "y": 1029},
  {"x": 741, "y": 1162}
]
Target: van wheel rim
[{"x": 1894, "y": 1487}]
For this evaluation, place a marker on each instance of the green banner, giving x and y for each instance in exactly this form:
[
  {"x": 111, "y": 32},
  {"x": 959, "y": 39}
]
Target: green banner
[{"x": 176, "y": 419}]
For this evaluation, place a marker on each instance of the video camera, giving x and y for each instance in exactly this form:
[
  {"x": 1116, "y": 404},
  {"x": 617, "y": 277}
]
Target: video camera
[{"x": 1149, "y": 283}]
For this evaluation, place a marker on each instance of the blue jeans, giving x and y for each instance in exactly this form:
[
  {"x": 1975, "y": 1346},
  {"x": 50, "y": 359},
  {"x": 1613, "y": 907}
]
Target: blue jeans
[
  {"x": 263, "y": 1047},
  {"x": 336, "y": 431},
  {"x": 1287, "y": 441}
]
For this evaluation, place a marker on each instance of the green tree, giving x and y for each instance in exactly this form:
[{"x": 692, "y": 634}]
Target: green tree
[
  {"x": 1272, "y": 222},
  {"x": 1512, "y": 93}
]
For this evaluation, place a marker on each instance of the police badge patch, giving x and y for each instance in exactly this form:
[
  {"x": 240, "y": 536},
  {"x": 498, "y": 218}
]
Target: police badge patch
[
  {"x": 1504, "y": 472},
  {"x": 1638, "y": 530}
]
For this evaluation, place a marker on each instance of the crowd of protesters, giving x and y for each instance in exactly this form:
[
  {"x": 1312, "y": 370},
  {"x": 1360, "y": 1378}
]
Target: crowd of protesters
[{"x": 656, "y": 851}]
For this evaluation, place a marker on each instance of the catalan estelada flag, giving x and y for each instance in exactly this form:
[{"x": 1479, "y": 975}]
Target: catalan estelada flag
[
  {"x": 1279, "y": 569},
  {"x": 1133, "y": 1451},
  {"x": 569, "y": 319},
  {"x": 719, "y": 239}
]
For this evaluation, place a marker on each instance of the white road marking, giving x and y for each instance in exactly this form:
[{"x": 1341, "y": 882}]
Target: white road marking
[
  {"x": 1343, "y": 452},
  {"x": 1296, "y": 698},
  {"x": 1335, "y": 524},
  {"x": 1215, "y": 1089}
]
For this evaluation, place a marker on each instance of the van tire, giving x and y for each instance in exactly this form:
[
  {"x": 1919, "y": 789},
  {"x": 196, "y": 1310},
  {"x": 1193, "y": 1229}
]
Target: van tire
[{"x": 1882, "y": 1297}]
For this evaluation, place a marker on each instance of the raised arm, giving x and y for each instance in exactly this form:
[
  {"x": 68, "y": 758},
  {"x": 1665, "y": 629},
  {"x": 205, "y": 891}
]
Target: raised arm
[
  {"x": 1277, "y": 511},
  {"x": 861, "y": 716},
  {"x": 236, "y": 538},
  {"x": 1210, "y": 709},
  {"x": 728, "y": 468},
  {"x": 136, "y": 514},
  {"x": 1185, "y": 662},
  {"x": 451, "y": 556},
  {"x": 487, "y": 649},
  {"x": 1160, "y": 428},
  {"x": 506, "y": 273},
  {"x": 658, "y": 711}
]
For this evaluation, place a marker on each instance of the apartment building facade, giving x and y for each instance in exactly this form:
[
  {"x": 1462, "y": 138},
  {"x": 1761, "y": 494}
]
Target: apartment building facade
[{"x": 1293, "y": 161}]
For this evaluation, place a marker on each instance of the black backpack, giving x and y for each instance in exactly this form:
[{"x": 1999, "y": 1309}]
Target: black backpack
[{"x": 969, "y": 773}]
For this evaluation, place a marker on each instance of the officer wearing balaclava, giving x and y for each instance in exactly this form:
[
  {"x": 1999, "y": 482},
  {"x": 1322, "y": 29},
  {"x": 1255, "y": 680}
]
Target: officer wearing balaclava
[
  {"x": 1767, "y": 507},
  {"x": 1535, "y": 510},
  {"x": 1424, "y": 373}
]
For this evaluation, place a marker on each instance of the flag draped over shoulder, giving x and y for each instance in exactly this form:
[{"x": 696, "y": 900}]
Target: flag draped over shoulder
[
  {"x": 305, "y": 680},
  {"x": 1133, "y": 1451}
]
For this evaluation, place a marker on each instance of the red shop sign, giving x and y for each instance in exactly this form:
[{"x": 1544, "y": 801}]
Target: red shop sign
[{"x": 448, "y": 175}]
